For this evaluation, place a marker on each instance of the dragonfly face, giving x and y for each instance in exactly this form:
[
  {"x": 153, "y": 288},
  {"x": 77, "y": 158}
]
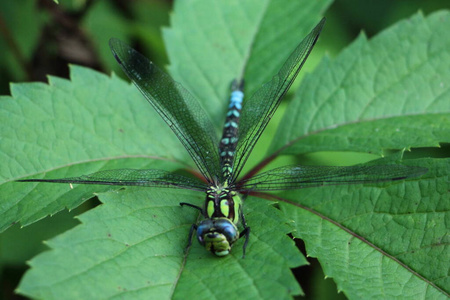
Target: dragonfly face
[
  {"x": 222, "y": 162},
  {"x": 217, "y": 235}
]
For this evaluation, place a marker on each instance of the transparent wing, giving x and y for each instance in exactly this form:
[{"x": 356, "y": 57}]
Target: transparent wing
[
  {"x": 178, "y": 108},
  {"x": 297, "y": 177},
  {"x": 131, "y": 177},
  {"x": 260, "y": 107}
]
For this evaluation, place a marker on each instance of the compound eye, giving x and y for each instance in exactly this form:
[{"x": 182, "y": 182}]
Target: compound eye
[
  {"x": 229, "y": 230},
  {"x": 203, "y": 228}
]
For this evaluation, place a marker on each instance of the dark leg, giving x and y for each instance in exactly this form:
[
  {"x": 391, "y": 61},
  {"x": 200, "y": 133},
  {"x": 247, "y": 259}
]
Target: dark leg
[
  {"x": 245, "y": 232},
  {"x": 192, "y": 205},
  {"x": 194, "y": 226},
  {"x": 191, "y": 233}
]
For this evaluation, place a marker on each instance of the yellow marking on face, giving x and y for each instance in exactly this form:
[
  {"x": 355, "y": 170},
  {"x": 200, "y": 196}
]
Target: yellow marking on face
[
  {"x": 210, "y": 208},
  {"x": 237, "y": 206},
  {"x": 225, "y": 208}
]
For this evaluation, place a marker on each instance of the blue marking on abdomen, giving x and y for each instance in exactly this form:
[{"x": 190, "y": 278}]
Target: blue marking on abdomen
[
  {"x": 229, "y": 139},
  {"x": 236, "y": 99}
]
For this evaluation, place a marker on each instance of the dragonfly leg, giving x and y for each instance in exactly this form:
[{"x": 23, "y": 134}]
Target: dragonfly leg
[
  {"x": 192, "y": 205},
  {"x": 191, "y": 233},
  {"x": 245, "y": 232}
]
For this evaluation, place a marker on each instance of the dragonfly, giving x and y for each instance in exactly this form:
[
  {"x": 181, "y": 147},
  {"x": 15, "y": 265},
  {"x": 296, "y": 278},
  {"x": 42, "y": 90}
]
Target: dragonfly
[{"x": 220, "y": 162}]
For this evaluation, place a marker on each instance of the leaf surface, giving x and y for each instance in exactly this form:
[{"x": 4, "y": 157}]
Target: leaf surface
[
  {"x": 71, "y": 128},
  {"x": 239, "y": 39},
  {"x": 386, "y": 241},
  {"x": 387, "y": 93},
  {"x": 133, "y": 246}
]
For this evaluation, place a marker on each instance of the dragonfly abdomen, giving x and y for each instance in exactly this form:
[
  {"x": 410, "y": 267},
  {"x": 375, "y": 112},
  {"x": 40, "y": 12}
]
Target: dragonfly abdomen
[{"x": 229, "y": 139}]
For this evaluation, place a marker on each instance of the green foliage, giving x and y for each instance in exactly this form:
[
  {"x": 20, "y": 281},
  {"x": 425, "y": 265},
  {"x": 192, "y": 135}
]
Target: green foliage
[
  {"x": 373, "y": 96},
  {"x": 391, "y": 244},
  {"x": 133, "y": 246},
  {"x": 24, "y": 33},
  {"x": 243, "y": 41},
  {"x": 43, "y": 135},
  {"x": 376, "y": 241}
]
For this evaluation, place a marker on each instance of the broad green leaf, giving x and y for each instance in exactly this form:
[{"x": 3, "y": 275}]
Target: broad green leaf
[
  {"x": 380, "y": 242},
  {"x": 78, "y": 127},
  {"x": 390, "y": 92},
  {"x": 132, "y": 247},
  {"x": 91, "y": 123},
  {"x": 223, "y": 40},
  {"x": 70, "y": 128}
]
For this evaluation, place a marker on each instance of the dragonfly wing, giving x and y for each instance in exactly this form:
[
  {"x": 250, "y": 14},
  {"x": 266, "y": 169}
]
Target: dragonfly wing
[
  {"x": 260, "y": 107},
  {"x": 132, "y": 177},
  {"x": 178, "y": 108},
  {"x": 297, "y": 177}
]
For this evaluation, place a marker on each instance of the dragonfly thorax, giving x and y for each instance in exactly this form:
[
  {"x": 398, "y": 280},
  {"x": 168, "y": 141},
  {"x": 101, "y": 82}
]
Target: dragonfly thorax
[{"x": 221, "y": 202}]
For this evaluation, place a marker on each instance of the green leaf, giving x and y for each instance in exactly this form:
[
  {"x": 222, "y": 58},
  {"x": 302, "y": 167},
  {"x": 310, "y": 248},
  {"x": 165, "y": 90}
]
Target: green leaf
[
  {"x": 43, "y": 133},
  {"x": 70, "y": 128},
  {"x": 223, "y": 40},
  {"x": 390, "y": 92},
  {"x": 92, "y": 123},
  {"x": 133, "y": 246},
  {"x": 380, "y": 242}
]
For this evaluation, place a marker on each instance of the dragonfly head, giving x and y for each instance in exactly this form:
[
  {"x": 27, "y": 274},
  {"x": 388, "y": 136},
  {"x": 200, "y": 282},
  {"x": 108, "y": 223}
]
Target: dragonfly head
[{"x": 217, "y": 235}]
